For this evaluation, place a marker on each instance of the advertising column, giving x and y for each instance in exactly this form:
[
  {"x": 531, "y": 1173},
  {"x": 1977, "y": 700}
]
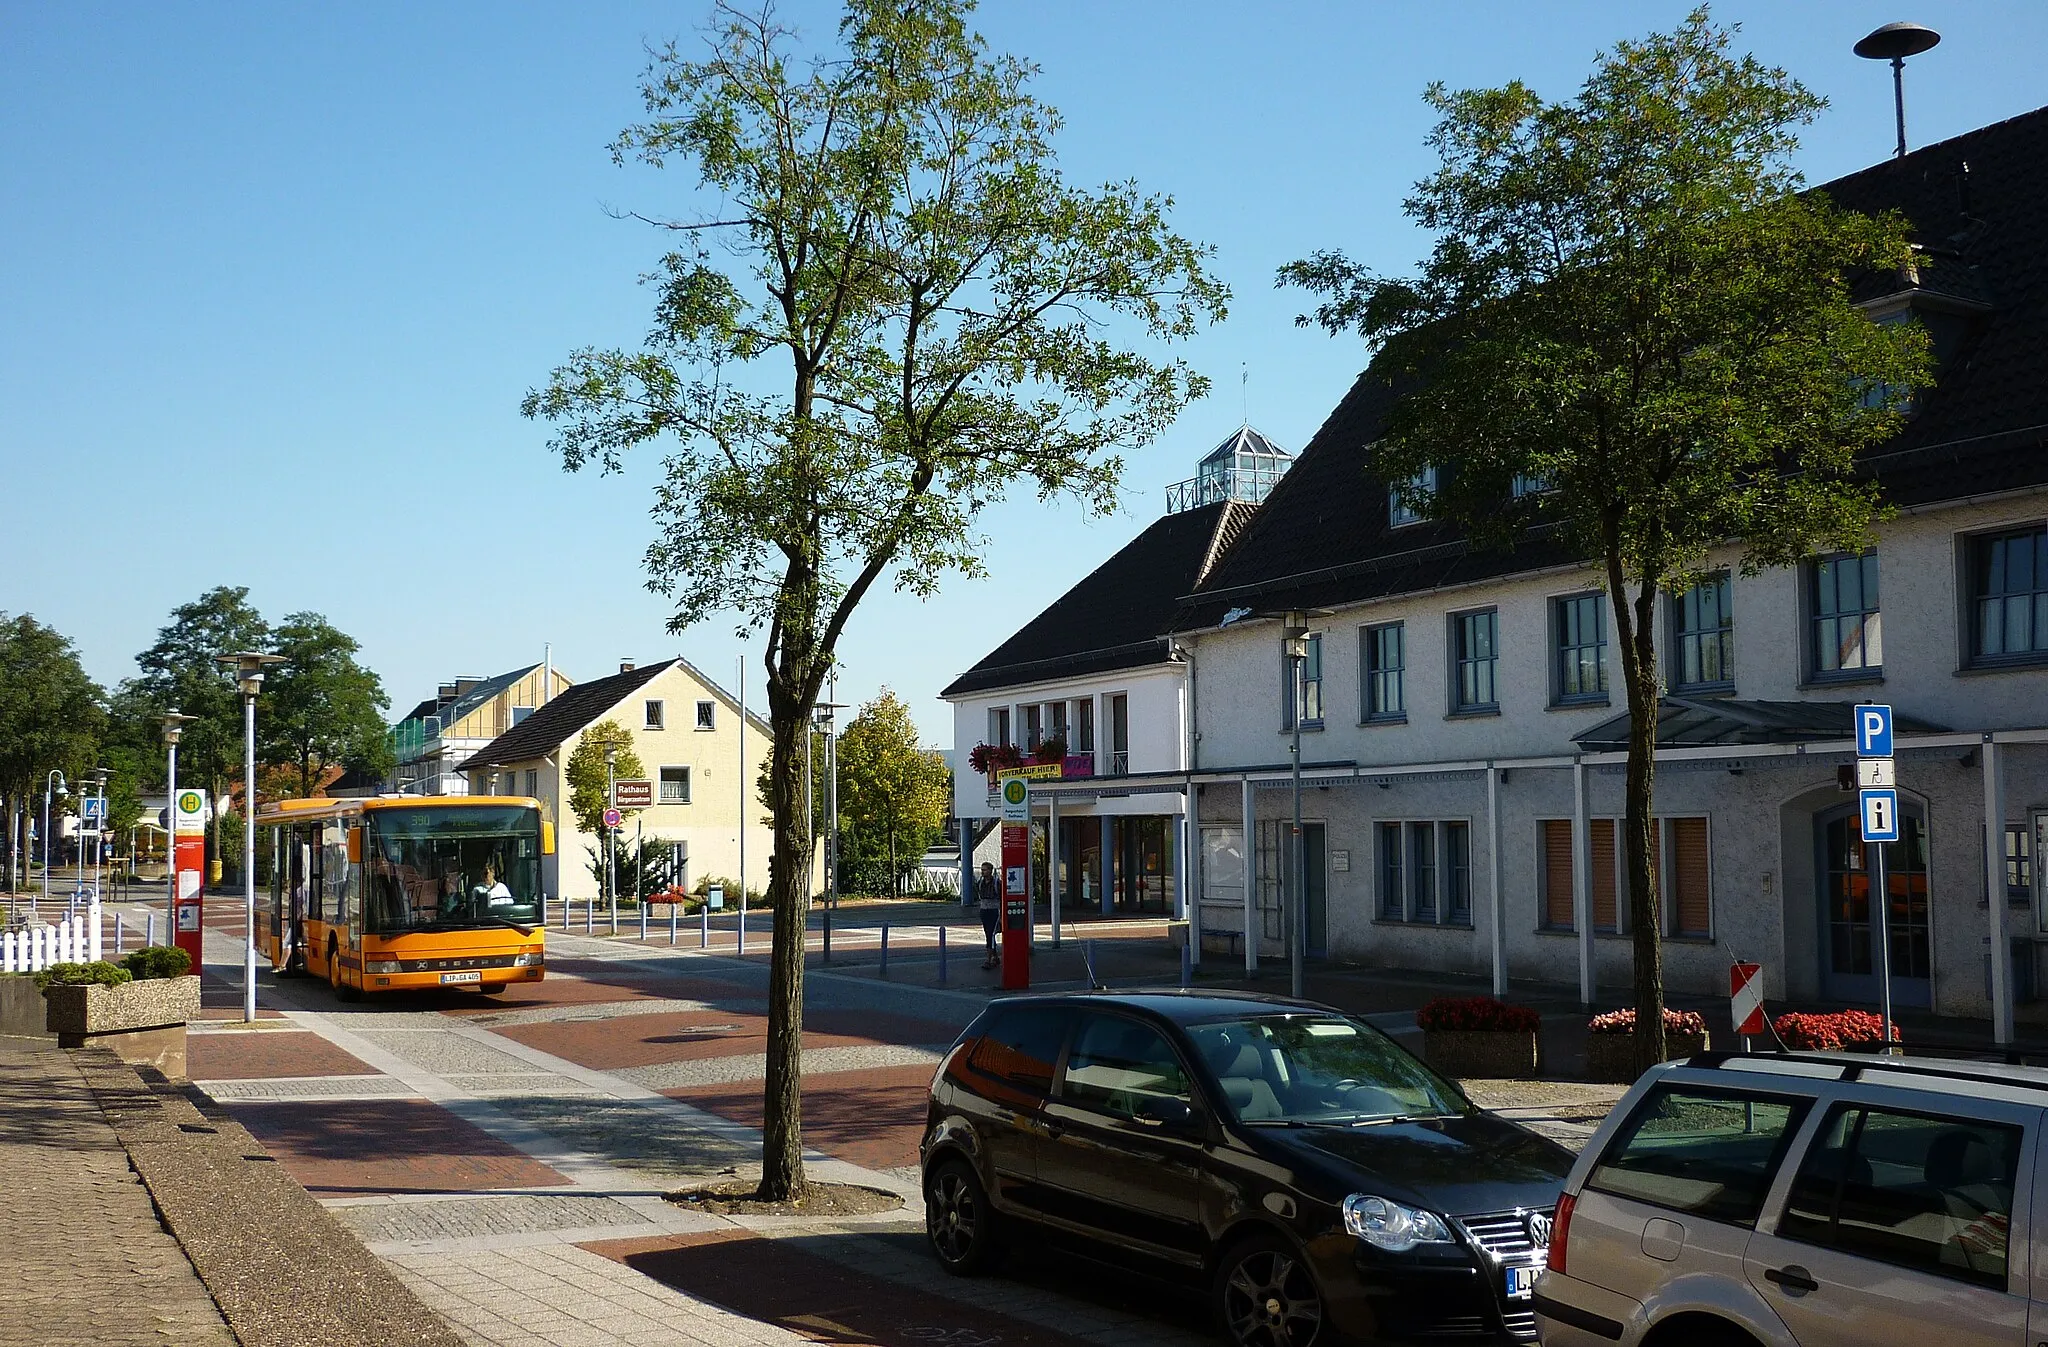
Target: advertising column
[
  {"x": 1016, "y": 877},
  {"x": 188, "y": 865}
]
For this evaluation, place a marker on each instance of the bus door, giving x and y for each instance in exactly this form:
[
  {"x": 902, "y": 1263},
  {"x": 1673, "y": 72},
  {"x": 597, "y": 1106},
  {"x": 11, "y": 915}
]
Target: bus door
[{"x": 267, "y": 921}]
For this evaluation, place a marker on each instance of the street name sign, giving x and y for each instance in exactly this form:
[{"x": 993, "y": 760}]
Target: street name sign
[{"x": 1880, "y": 812}]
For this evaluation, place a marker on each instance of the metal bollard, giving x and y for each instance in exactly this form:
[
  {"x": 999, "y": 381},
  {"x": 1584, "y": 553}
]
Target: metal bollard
[
  {"x": 614, "y": 909},
  {"x": 674, "y": 911},
  {"x": 117, "y": 934},
  {"x": 885, "y": 949},
  {"x": 1187, "y": 966},
  {"x": 149, "y": 929},
  {"x": 643, "y": 923},
  {"x": 741, "y": 947},
  {"x": 590, "y": 916},
  {"x": 942, "y": 955},
  {"x": 704, "y": 913},
  {"x": 828, "y": 933}
]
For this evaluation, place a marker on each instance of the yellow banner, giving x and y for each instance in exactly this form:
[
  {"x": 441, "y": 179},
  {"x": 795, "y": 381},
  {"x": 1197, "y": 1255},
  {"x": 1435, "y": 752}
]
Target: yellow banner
[{"x": 1037, "y": 771}]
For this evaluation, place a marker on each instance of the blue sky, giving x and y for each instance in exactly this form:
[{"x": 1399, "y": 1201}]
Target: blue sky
[{"x": 273, "y": 280}]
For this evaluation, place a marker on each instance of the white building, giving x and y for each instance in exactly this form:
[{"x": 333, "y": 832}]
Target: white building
[
  {"x": 1464, "y": 749},
  {"x": 1095, "y": 672}
]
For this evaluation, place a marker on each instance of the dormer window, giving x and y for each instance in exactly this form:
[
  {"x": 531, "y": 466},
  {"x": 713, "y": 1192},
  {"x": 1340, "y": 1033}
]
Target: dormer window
[
  {"x": 1404, "y": 501},
  {"x": 1531, "y": 484}
]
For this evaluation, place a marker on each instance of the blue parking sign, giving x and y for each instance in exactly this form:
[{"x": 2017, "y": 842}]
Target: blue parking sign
[
  {"x": 1873, "y": 731},
  {"x": 1880, "y": 811}
]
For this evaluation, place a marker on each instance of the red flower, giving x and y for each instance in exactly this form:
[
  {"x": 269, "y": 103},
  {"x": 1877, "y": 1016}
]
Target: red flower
[
  {"x": 1826, "y": 1033},
  {"x": 1623, "y": 1021},
  {"x": 1481, "y": 1013}
]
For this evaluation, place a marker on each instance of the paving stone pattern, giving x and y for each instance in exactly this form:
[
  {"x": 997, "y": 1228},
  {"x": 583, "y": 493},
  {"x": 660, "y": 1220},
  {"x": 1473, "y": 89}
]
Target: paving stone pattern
[
  {"x": 483, "y": 1217},
  {"x": 88, "y": 1260}
]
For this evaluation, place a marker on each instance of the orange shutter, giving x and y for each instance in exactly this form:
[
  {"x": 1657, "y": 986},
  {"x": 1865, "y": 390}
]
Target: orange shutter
[
  {"x": 1557, "y": 874},
  {"x": 1691, "y": 905},
  {"x": 1603, "y": 875}
]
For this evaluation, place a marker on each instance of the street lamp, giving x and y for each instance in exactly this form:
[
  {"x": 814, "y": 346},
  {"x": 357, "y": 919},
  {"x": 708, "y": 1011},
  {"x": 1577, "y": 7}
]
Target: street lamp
[
  {"x": 825, "y": 713},
  {"x": 1294, "y": 633},
  {"x": 51, "y": 784},
  {"x": 174, "y": 729},
  {"x": 99, "y": 832},
  {"x": 248, "y": 666},
  {"x": 611, "y": 861},
  {"x": 1895, "y": 42}
]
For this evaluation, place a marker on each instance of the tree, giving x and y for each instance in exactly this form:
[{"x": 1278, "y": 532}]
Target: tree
[
  {"x": 953, "y": 317},
  {"x": 50, "y": 718},
  {"x": 179, "y": 672},
  {"x": 892, "y": 790},
  {"x": 1630, "y": 303},
  {"x": 589, "y": 796},
  {"x": 322, "y": 708}
]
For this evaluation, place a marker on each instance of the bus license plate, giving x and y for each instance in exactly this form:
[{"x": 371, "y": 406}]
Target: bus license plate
[
  {"x": 471, "y": 976},
  {"x": 1521, "y": 1281}
]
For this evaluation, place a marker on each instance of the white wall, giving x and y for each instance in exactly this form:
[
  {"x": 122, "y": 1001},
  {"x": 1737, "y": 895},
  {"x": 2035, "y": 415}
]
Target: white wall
[{"x": 1157, "y": 731}]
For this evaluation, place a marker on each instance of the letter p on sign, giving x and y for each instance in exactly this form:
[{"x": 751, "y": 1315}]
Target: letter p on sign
[
  {"x": 1873, "y": 731},
  {"x": 1746, "y": 994}
]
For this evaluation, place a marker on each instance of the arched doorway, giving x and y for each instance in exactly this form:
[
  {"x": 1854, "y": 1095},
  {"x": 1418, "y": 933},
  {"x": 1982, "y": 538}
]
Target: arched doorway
[{"x": 1848, "y": 930}]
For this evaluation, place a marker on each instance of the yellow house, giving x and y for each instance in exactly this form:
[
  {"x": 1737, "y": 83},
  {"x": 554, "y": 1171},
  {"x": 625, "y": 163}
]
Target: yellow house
[{"x": 689, "y": 735}]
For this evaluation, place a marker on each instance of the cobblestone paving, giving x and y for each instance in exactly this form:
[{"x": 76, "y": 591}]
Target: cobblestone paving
[
  {"x": 633, "y": 1135},
  {"x": 88, "y": 1260},
  {"x": 754, "y": 1066},
  {"x": 306, "y": 1088},
  {"x": 473, "y": 1218}
]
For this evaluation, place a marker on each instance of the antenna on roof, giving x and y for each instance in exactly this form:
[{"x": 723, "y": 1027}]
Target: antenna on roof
[
  {"x": 1895, "y": 42},
  {"x": 1244, "y": 389}
]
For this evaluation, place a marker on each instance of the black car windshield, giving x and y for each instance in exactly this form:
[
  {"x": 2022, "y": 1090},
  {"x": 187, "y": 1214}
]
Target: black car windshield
[
  {"x": 437, "y": 867},
  {"x": 1318, "y": 1068}
]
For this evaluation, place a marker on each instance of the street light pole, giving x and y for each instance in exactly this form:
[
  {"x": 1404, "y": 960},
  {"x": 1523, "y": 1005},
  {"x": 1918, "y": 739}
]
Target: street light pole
[
  {"x": 611, "y": 862},
  {"x": 832, "y": 793},
  {"x": 99, "y": 832},
  {"x": 174, "y": 726},
  {"x": 1297, "y": 907},
  {"x": 50, "y": 784},
  {"x": 248, "y": 667}
]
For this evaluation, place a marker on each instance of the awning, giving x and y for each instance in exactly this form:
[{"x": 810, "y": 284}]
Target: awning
[{"x": 1688, "y": 722}]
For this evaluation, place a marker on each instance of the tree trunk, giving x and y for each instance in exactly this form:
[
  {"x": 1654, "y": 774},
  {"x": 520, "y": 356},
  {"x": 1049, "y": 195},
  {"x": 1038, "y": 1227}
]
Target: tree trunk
[
  {"x": 893, "y": 889},
  {"x": 782, "y": 1151},
  {"x": 1635, "y": 632}
]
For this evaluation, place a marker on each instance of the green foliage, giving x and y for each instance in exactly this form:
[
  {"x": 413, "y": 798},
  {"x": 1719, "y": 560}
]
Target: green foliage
[
  {"x": 50, "y": 711},
  {"x": 321, "y": 707},
  {"x": 98, "y": 973},
  {"x": 588, "y": 793},
  {"x": 647, "y": 869},
  {"x": 180, "y": 672},
  {"x": 157, "y": 961},
  {"x": 894, "y": 797},
  {"x": 1629, "y": 300}
]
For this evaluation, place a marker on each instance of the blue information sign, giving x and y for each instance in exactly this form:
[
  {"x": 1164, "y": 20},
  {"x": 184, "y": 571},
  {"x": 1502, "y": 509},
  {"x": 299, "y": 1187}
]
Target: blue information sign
[{"x": 1880, "y": 811}]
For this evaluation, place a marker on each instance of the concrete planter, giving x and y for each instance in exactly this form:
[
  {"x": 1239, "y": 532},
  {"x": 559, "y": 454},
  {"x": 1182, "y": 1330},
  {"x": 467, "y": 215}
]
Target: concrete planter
[
  {"x": 142, "y": 1022},
  {"x": 21, "y": 1006},
  {"x": 1481, "y": 1054},
  {"x": 1612, "y": 1057}
]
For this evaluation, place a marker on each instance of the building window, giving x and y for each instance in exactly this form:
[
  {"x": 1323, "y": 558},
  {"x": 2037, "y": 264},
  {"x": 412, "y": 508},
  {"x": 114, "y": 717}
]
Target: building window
[
  {"x": 1685, "y": 862},
  {"x": 999, "y": 724},
  {"x": 1425, "y": 872},
  {"x": 1308, "y": 697},
  {"x": 1034, "y": 726},
  {"x": 2009, "y": 597},
  {"x": 675, "y": 785},
  {"x": 1119, "y": 734},
  {"x": 1475, "y": 652},
  {"x": 1580, "y": 625},
  {"x": 653, "y": 712},
  {"x": 707, "y": 715},
  {"x": 532, "y": 783},
  {"x": 1404, "y": 500},
  {"x": 1706, "y": 634},
  {"x": 2019, "y": 863},
  {"x": 1530, "y": 484},
  {"x": 1084, "y": 725},
  {"x": 1679, "y": 871},
  {"x": 1848, "y": 633},
  {"x": 1056, "y": 713},
  {"x": 1383, "y": 661},
  {"x": 1559, "y": 868}
]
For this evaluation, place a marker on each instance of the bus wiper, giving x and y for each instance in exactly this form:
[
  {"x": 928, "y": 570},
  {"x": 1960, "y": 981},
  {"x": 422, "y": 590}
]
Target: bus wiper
[{"x": 507, "y": 921}]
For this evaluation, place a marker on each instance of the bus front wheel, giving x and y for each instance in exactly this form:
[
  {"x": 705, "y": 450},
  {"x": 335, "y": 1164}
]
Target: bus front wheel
[{"x": 342, "y": 991}]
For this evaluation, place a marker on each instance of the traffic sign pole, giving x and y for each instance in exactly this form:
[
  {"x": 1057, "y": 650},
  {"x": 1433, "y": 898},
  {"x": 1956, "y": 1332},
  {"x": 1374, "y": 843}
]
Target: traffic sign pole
[{"x": 1878, "y": 805}]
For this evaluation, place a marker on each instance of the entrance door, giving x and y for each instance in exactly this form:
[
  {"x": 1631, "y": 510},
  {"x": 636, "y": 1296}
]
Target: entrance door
[
  {"x": 1848, "y": 955},
  {"x": 1314, "y": 888}
]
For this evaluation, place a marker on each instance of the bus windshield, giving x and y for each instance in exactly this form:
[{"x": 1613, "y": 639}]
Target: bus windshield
[{"x": 451, "y": 866}]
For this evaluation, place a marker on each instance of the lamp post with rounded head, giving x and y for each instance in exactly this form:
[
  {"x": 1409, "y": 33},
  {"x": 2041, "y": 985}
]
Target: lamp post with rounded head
[
  {"x": 1895, "y": 42},
  {"x": 51, "y": 783},
  {"x": 248, "y": 667},
  {"x": 174, "y": 728},
  {"x": 611, "y": 860},
  {"x": 99, "y": 832}
]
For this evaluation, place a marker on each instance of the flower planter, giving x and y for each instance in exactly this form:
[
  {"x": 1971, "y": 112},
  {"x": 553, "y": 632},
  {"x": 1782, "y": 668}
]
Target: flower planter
[
  {"x": 1482, "y": 1054},
  {"x": 1612, "y": 1057},
  {"x": 142, "y": 1022}
]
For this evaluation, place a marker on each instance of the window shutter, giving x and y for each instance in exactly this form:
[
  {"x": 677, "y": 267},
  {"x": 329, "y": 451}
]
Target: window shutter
[
  {"x": 1691, "y": 906},
  {"x": 1603, "y": 875},
  {"x": 1557, "y": 874}
]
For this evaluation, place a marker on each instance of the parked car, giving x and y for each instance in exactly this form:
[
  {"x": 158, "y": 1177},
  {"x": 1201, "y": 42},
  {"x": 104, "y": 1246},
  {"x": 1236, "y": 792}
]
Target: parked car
[
  {"x": 1320, "y": 1181},
  {"x": 1810, "y": 1199}
]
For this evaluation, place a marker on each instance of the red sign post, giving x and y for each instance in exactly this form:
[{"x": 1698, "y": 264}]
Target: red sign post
[
  {"x": 1746, "y": 998},
  {"x": 1016, "y": 927},
  {"x": 188, "y": 867}
]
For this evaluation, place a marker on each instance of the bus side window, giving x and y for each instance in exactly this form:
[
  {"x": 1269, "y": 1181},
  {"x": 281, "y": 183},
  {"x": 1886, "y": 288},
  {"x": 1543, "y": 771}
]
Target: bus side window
[
  {"x": 316, "y": 881},
  {"x": 279, "y": 840}
]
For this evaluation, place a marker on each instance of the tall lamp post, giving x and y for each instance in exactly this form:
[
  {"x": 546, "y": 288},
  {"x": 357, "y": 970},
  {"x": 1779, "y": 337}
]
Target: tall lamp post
[
  {"x": 174, "y": 729},
  {"x": 1895, "y": 42},
  {"x": 1296, "y": 635},
  {"x": 99, "y": 831},
  {"x": 825, "y": 712},
  {"x": 248, "y": 667},
  {"x": 51, "y": 784},
  {"x": 611, "y": 859}
]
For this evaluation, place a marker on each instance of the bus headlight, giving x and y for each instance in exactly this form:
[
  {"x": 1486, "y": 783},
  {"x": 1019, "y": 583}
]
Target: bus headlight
[
  {"x": 381, "y": 966},
  {"x": 530, "y": 959}
]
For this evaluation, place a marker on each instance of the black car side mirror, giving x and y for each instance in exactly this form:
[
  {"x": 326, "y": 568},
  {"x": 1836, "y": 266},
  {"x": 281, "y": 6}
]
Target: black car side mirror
[{"x": 1169, "y": 1114}]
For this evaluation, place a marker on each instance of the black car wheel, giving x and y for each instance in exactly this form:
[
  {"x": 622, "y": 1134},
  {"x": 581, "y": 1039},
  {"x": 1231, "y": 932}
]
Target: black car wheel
[
  {"x": 1266, "y": 1297},
  {"x": 958, "y": 1220}
]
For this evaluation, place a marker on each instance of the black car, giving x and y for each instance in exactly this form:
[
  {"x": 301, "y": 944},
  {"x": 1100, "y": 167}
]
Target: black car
[{"x": 1321, "y": 1181}]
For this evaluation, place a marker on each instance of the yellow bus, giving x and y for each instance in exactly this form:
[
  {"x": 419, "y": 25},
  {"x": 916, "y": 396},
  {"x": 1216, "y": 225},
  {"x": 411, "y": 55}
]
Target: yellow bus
[{"x": 405, "y": 892}]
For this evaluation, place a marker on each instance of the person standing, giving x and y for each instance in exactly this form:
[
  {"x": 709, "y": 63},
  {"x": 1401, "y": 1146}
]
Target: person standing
[{"x": 988, "y": 892}]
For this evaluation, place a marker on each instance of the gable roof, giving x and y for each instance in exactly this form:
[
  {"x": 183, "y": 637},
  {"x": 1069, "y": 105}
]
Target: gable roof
[
  {"x": 1323, "y": 536},
  {"x": 452, "y": 709},
  {"x": 571, "y": 710},
  {"x": 1117, "y": 616}
]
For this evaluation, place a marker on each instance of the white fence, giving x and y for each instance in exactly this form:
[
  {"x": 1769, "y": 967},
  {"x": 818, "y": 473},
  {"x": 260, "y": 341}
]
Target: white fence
[{"x": 76, "y": 939}]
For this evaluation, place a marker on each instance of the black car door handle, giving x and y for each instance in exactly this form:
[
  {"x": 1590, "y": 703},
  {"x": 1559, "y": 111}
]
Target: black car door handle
[{"x": 1795, "y": 1279}]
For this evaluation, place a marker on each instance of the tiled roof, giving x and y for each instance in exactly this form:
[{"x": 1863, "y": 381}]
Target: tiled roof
[
  {"x": 550, "y": 726},
  {"x": 1116, "y": 617},
  {"x": 1323, "y": 538}
]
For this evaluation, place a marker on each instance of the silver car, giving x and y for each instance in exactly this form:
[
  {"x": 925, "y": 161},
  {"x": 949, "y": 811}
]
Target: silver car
[{"x": 1812, "y": 1199}]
